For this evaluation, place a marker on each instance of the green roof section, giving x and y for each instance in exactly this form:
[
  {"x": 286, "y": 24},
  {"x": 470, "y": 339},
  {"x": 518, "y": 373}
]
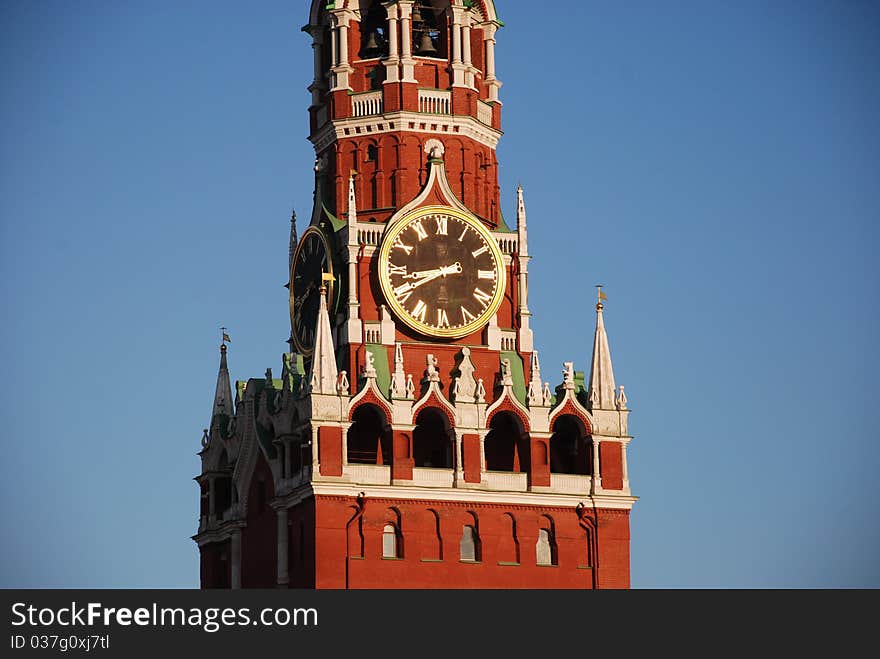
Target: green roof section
[
  {"x": 502, "y": 225},
  {"x": 516, "y": 371},
  {"x": 335, "y": 222},
  {"x": 380, "y": 363}
]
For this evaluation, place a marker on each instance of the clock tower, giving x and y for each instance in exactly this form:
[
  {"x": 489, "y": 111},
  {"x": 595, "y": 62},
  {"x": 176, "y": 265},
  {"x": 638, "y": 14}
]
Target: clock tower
[{"x": 411, "y": 440}]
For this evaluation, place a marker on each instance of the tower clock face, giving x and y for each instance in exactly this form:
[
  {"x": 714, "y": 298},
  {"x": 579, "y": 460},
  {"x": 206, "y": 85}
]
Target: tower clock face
[
  {"x": 311, "y": 259},
  {"x": 441, "y": 272}
]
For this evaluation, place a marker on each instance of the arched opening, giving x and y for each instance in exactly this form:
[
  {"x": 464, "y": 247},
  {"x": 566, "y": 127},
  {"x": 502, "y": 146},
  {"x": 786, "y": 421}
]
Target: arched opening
[
  {"x": 545, "y": 547},
  {"x": 431, "y": 444},
  {"x": 570, "y": 450},
  {"x": 390, "y": 541},
  {"x": 430, "y": 32},
  {"x": 369, "y": 442},
  {"x": 374, "y": 31},
  {"x": 470, "y": 547},
  {"x": 506, "y": 444}
]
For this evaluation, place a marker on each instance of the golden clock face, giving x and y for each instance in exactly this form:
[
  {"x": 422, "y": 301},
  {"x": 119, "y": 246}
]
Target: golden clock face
[{"x": 441, "y": 272}]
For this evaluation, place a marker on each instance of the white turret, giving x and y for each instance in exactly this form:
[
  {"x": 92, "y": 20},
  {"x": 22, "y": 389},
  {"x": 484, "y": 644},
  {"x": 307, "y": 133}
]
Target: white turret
[{"x": 324, "y": 376}]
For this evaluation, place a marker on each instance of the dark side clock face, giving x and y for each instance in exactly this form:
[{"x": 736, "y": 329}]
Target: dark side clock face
[
  {"x": 441, "y": 272},
  {"x": 311, "y": 259}
]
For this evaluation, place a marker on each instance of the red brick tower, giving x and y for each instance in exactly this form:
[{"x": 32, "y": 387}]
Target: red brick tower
[{"x": 411, "y": 441}]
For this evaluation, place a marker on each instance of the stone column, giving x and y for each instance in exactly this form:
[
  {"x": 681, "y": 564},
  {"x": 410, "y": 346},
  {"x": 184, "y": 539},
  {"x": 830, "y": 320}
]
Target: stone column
[
  {"x": 235, "y": 550},
  {"x": 392, "y": 63},
  {"x": 315, "y": 463},
  {"x": 489, "y": 39},
  {"x": 406, "y": 59},
  {"x": 283, "y": 576},
  {"x": 596, "y": 481},
  {"x": 458, "y": 69},
  {"x": 459, "y": 472},
  {"x": 623, "y": 446},
  {"x": 466, "y": 51}
]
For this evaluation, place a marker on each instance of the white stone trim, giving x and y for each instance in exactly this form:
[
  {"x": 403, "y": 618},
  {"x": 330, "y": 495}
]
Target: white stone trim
[
  {"x": 413, "y": 492},
  {"x": 397, "y": 122}
]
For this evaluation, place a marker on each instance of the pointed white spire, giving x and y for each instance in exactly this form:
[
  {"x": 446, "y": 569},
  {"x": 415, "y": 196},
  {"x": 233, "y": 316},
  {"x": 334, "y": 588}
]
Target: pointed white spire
[
  {"x": 352, "y": 205},
  {"x": 324, "y": 376},
  {"x": 223, "y": 392},
  {"x": 601, "y": 374},
  {"x": 526, "y": 338},
  {"x": 521, "y": 230},
  {"x": 534, "y": 391},
  {"x": 398, "y": 378}
]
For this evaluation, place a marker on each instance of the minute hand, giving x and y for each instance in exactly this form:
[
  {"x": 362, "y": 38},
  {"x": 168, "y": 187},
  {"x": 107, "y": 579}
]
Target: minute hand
[{"x": 430, "y": 275}]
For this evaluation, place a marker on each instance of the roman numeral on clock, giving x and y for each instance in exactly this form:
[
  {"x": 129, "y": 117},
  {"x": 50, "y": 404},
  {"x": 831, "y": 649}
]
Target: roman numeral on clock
[
  {"x": 467, "y": 315},
  {"x": 419, "y": 311},
  {"x": 486, "y": 274},
  {"x": 485, "y": 298},
  {"x": 420, "y": 231},
  {"x": 441, "y": 225},
  {"x": 482, "y": 250},
  {"x": 442, "y": 318},
  {"x": 398, "y": 269},
  {"x": 403, "y": 292},
  {"x": 400, "y": 244}
]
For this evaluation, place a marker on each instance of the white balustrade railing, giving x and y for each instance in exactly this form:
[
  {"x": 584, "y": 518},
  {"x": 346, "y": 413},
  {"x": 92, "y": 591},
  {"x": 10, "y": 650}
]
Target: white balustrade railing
[
  {"x": 430, "y": 477},
  {"x": 508, "y": 242},
  {"x": 372, "y": 332},
  {"x": 484, "y": 113},
  {"x": 368, "y": 474},
  {"x": 370, "y": 234},
  {"x": 435, "y": 101},
  {"x": 570, "y": 483},
  {"x": 507, "y": 481},
  {"x": 366, "y": 103},
  {"x": 508, "y": 339}
]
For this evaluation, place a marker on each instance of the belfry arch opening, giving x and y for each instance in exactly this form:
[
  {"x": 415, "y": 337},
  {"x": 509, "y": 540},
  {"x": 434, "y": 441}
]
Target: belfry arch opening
[
  {"x": 430, "y": 31},
  {"x": 374, "y": 30},
  {"x": 570, "y": 447},
  {"x": 369, "y": 441},
  {"x": 431, "y": 442},
  {"x": 506, "y": 444}
]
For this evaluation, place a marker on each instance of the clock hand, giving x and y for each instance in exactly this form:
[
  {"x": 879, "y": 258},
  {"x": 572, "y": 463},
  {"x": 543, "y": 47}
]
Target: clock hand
[
  {"x": 455, "y": 268},
  {"x": 443, "y": 270},
  {"x": 302, "y": 298}
]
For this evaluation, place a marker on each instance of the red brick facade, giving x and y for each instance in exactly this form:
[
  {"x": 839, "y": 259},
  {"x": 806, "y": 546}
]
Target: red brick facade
[{"x": 361, "y": 485}]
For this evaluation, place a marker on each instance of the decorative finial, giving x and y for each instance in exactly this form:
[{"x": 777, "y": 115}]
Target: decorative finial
[
  {"x": 601, "y": 296},
  {"x": 431, "y": 370},
  {"x": 568, "y": 375}
]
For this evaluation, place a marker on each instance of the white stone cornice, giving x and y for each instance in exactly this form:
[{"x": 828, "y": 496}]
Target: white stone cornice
[
  {"x": 396, "y": 122},
  {"x": 462, "y": 495}
]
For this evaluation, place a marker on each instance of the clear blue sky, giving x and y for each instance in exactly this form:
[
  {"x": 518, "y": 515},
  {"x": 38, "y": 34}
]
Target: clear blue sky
[{"x": 716, "y": 165}]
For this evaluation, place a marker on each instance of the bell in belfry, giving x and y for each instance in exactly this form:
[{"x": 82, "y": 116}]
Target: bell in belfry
[
  {"x": 373, "y": 47},
  {"x": 426, "y": 46}
]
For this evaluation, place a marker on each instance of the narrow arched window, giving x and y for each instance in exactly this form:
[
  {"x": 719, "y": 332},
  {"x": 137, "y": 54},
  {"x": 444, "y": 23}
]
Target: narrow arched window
[
  {"x": 470, "y": 544},
  {"x": 389, "y": 542},
  {"x": 545, "y": 548}
]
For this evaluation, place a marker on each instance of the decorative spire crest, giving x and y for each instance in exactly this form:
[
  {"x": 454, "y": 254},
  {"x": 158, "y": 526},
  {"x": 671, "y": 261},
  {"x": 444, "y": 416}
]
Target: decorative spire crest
[
  {"x": 398, "y": 378},
  {"x": 602, "y": 389},
  {"x": 535, "y": 394},
  {"x": 324, "y": 374},
  {"x": 465, "y": 386}
]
